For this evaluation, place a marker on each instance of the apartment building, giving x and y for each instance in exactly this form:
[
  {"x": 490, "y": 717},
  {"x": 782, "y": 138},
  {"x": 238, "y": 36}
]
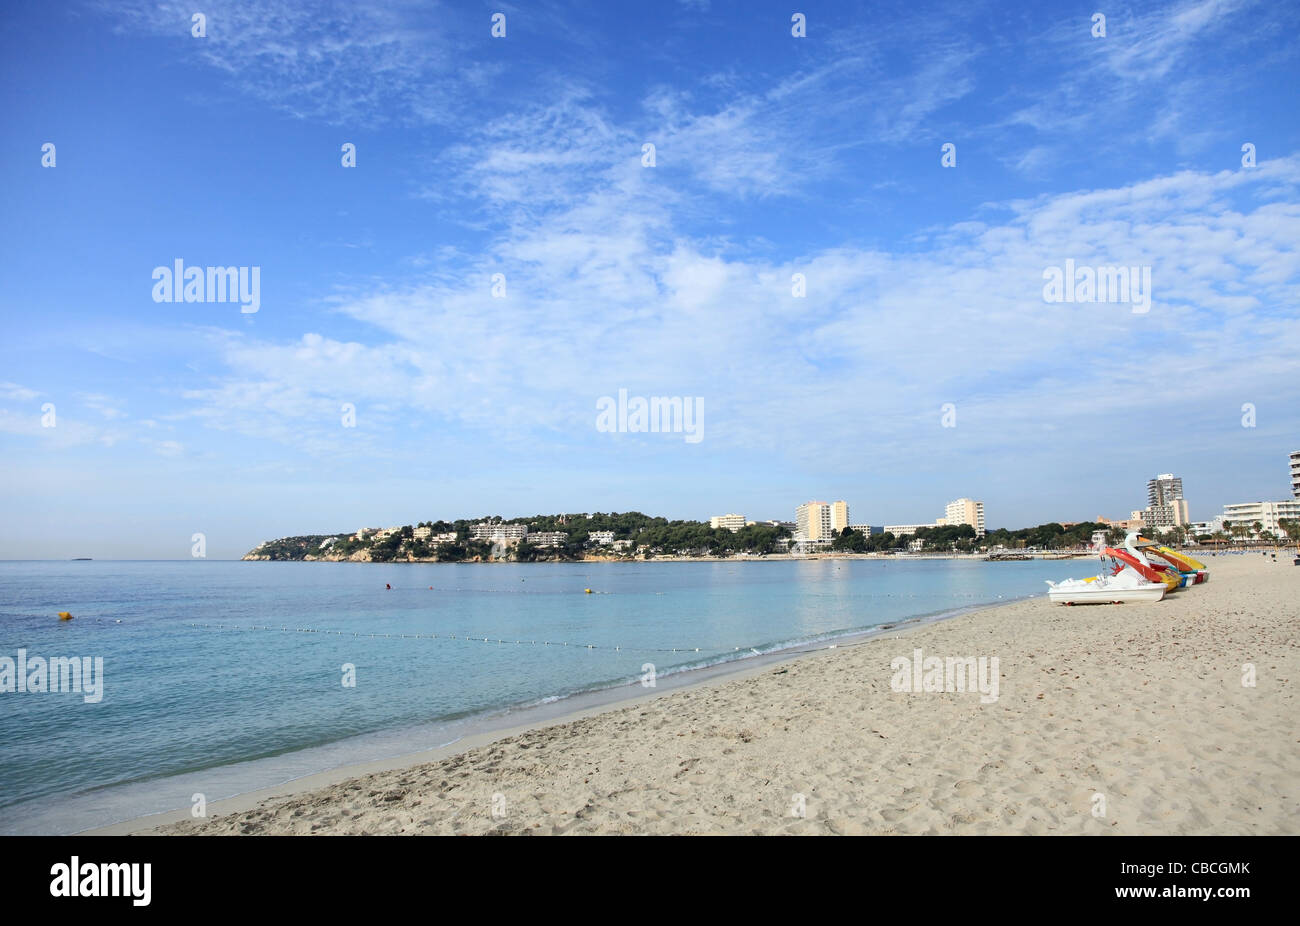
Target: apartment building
[
  {"x": 1166, "y": 506},
  {"x": 548, "y": 538},
  {"x": 965, "y": 511},
  {"x": 494, "y": 531},
  {"x": 732, "y": 522},
  {"x": 1267, "y": 514},
  {"x": 816, "y": 521},
  {"x": 904, "y": 530}
]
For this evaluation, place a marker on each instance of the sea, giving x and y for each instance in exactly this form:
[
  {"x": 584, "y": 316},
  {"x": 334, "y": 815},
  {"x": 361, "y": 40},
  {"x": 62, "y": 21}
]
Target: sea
[{"x": 224, "y": 677}]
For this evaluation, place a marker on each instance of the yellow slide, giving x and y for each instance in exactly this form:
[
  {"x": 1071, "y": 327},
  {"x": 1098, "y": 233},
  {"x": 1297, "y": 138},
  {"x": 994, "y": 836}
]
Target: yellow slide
[{"x": 1185, "y": 562}]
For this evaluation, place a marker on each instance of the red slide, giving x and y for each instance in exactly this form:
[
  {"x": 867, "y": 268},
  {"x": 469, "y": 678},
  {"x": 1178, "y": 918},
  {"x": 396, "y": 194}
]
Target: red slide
[{"x": 1145, "y": 571}]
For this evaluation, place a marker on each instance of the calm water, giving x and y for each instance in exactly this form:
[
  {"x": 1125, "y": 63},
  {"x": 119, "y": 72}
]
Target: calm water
[{"x": 223, "y": 711}]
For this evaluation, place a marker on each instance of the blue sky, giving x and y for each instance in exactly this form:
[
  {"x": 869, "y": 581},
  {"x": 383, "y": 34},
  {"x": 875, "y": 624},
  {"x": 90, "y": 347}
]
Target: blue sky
[{"x": 522, "y": 156}]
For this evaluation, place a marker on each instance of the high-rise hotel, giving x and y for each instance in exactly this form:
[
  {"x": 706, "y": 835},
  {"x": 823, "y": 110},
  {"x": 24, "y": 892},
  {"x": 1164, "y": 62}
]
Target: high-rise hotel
[
  {"x": 820, "y": 520},
  {"x": 1166, "y": 506},
  {"x": 965, "y": 511}
]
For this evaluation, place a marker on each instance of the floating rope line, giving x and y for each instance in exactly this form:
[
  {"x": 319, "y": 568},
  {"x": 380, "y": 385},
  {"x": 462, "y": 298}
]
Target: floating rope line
[
  {"x": 466, "y": 638},
  {"x": 793, "y": 649}
]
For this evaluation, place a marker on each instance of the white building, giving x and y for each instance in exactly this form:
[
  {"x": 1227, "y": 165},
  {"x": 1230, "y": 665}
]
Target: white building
[
  {"x": 548, "y": 538},
  {"x": 1206, "y": 528},
  {"x": 732, "y": 522},
  {"x": 1295, "y": 474},
  {"x": 604, "y": 538},
  {"x": 494, "y": 531},
  {"x": 1267, "y": 514},
  {"x": 904, "y": 530}
]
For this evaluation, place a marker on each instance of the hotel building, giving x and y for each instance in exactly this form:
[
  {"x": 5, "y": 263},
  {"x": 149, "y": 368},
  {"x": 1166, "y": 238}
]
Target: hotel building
[
  {"x": 820, "y": 520},
  {"x": 548, "y": 539},
  {"x": 1166, "y": 506},
  {"x": 1295, "y": 474},
  {"x": 965, "y": 511},
  {"x": 732, "y": 522},
  {"x": 487, "y": 530},
  {"x": 904, "y": 530},
  {"x": 1163, "y": 488},
  {"x": 1246, "y": 514}
]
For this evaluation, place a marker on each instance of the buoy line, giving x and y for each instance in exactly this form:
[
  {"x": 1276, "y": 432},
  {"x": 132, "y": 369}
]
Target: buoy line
[
  {"x": 793, "y": 649},
  {"x": 467, "y": 638}
]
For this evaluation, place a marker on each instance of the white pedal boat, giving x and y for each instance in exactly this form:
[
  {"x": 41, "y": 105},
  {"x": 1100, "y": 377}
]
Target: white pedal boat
[{"x": 1124, "y": 586}]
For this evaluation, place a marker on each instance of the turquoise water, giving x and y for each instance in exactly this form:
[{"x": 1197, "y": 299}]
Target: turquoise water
[{"x": 224, "y": 710}]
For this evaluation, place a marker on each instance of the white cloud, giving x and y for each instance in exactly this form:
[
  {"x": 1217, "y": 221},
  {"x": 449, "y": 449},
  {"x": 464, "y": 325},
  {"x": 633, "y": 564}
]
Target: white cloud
[{"x": 860, "y": 366}]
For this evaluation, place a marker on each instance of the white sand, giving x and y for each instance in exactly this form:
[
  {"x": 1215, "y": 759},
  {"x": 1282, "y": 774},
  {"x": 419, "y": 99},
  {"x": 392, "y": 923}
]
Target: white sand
[{"x": 1140, "y": 704}]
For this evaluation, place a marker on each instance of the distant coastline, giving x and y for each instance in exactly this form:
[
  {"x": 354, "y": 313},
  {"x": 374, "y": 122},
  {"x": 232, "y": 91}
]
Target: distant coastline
[{"x": 636, "y": 537}]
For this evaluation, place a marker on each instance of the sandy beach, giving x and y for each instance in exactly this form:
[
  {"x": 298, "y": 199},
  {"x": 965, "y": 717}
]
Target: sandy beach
[{"x": 1125, "y": 720}]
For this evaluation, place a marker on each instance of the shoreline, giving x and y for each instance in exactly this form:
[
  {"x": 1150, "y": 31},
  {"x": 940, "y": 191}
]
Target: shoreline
[
  {"x": 549, "y": 713},
  {"x": 1123, "y": 720}
]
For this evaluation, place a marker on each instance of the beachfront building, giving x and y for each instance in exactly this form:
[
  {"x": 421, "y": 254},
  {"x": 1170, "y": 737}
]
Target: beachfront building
[
  {"x": 1245, "y": 515},
  {"x": 1295, "y": 474},
  {"x": 603, "y": 538},
  {"x": 904, "y": 530},
  {"x": 816, "y": 521},
  {"x": 965, "y": 511},
  {"x": 1160, "y": 518},
  {"x": 866, "y": 530},
  {"x": 732, "y": 522},
  {"x": 496, "y": 530},
  {"x": 1166, "y": 506},
  {"x": 1207, "y": 528},
  {"x": 791, "y": 526},
  {"x": 812, "y": 521},
  {"x": 549, "y": 538},
  {"x": 1164, "y": 487}
]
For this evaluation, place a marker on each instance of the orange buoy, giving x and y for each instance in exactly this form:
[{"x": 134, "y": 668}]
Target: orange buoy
[{"x": 65, "y": 616}]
